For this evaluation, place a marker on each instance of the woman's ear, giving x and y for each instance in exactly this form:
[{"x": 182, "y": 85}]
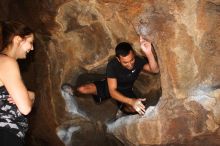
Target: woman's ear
[{"x": 17, "y": 39}]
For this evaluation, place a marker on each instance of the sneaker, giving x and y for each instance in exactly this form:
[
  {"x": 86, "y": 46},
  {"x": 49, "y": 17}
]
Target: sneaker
[{"x": 68, "y": 88}]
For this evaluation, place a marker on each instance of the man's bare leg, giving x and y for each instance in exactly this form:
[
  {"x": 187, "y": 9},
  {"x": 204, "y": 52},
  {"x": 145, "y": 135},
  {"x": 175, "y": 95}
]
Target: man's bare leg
[{"x": 89, "y": 88}]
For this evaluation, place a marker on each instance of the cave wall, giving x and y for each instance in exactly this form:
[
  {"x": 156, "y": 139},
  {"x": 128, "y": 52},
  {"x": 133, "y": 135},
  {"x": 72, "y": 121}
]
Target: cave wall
[
  {"x": 75, "y": 37},
  {"x": 185, "y": 33},
  {"x": 39, "y": 15}
]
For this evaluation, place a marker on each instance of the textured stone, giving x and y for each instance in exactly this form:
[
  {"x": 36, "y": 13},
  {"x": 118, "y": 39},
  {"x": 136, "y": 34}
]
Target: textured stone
[
  {"x": 188, "y": 79},
  {"x": 76, "y": 37}
]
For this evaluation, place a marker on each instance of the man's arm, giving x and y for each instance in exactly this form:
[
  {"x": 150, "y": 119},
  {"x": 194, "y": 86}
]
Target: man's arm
[
  {"x": 152, "y": 66},
  {"x": 134, "y": 103}
]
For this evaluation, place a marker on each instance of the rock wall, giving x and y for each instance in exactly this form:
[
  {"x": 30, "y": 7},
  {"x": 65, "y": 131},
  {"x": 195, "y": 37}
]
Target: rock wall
[
  {"x": 186, "y": 33},
  {"x": 76, "y": 37}
]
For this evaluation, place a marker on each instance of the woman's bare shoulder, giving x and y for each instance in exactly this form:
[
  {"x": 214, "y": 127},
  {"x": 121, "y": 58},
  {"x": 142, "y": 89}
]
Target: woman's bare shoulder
[
  {"x": 7, "y": 63},
  {"x": 8, "y": 66}
]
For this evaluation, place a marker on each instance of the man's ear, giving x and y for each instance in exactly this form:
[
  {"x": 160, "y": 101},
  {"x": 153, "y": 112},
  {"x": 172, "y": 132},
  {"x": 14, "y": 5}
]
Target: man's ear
[
  {"x": 118, "y": 59},
  {"x": 17, "y": 39}
]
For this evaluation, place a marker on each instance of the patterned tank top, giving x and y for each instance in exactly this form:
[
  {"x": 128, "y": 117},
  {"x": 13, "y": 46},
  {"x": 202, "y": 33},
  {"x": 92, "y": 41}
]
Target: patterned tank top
[{"x": 10, "y": 117}]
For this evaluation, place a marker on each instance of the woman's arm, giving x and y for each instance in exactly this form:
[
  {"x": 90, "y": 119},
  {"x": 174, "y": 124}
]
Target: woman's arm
[{"x": 11, "y": 78}]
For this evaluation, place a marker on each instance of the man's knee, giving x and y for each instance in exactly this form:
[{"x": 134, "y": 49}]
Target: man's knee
[
  {"x": 87, "y": 89},
  {"x": 129, "y": 110}
]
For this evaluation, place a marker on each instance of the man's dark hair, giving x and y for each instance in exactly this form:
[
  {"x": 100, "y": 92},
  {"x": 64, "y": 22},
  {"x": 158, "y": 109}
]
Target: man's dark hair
[{"x": 123, "y": 49}]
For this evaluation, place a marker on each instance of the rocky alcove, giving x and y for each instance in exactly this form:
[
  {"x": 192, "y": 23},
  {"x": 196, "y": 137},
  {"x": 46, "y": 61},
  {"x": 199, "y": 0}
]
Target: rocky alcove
[{"x": 76, "y": 37}]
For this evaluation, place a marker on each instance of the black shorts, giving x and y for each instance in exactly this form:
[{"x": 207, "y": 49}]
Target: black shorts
[
  {"x": 103, "y": 92},
  {"x": 128, "y": 93}
]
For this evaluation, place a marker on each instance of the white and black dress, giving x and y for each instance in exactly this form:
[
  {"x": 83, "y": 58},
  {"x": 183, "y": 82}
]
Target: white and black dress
[{"x": 11, "y": 119}]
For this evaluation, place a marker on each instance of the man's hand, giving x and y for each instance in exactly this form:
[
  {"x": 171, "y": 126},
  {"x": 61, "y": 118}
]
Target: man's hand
[
  {"x": 145, "y": 46},
  {"x": 152, "y": 65},
  {"x": 138, "y": 106}
]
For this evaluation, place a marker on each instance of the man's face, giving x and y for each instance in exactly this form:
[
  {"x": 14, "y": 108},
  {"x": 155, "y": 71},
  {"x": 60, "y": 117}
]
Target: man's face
[{"x": 127, "y": 61}]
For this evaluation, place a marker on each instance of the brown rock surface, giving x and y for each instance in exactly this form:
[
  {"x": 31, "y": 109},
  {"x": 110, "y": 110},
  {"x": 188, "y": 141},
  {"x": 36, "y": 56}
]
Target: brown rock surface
[{"x": 76, "y": 37}]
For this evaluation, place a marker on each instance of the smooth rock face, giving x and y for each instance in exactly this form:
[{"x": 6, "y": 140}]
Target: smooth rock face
[
  {"x": 78, "y": 37},
  {"x": 190, "y": 83}
]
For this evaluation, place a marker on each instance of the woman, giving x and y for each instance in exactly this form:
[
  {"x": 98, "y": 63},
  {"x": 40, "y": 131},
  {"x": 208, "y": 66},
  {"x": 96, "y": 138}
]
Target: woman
[{"x": 15, "y": 100}]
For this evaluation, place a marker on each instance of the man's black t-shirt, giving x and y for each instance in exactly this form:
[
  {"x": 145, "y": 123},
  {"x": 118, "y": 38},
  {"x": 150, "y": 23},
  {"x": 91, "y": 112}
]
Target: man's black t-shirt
[{"x": 125, "y": 77}]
